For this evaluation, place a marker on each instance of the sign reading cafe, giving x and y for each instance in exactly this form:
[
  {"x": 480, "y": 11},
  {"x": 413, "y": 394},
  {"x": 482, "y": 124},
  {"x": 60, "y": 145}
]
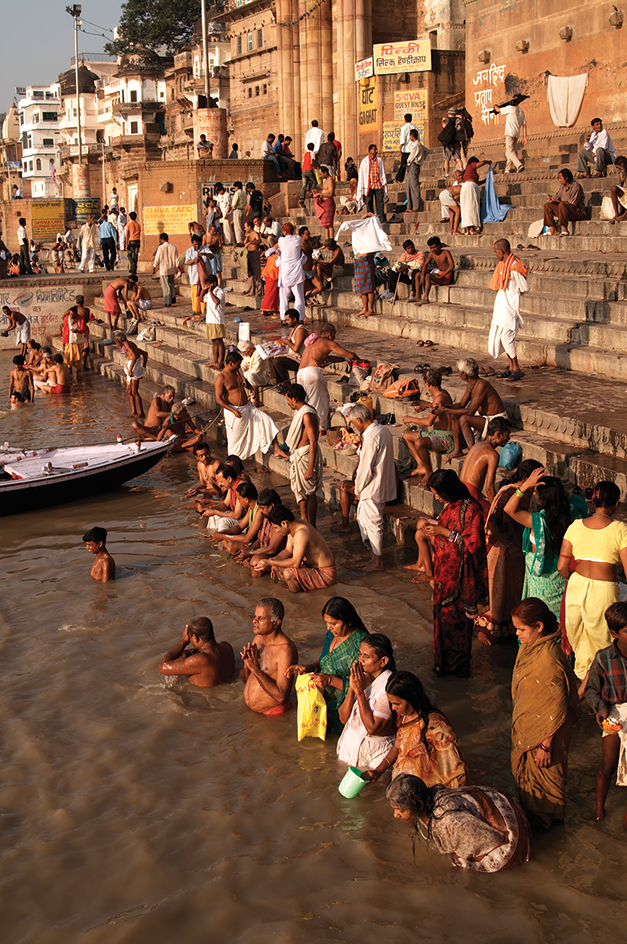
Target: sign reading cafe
[{"x": 410, "y": 56}]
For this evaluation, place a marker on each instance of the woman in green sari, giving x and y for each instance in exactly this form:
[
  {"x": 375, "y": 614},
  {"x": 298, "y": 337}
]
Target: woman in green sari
[
  {"x": 345, "y": 632},
  {"x": 543, "y": 534}
]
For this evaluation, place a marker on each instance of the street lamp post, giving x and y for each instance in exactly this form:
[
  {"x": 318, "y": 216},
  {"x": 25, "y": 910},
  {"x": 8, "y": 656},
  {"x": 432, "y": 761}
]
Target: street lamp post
[{"x": 75, "y": 12}]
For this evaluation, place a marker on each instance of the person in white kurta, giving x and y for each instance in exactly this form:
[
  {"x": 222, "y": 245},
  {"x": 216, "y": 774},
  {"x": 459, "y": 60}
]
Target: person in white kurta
[
  {"x": 376, "y": 481},
  {"x": 509, "y": 281},
  {"x": 355, "y": 746},
  {"x": 291, "y": 273}
]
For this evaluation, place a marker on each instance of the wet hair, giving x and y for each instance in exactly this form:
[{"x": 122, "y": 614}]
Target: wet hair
[
  {"x": 533, "y": 611},
  {"x": 503, "y": 244},
  {"x": 552, "y": 499},
  {"x": 339, "y": 608},
  {"x": 382, "y": 646},
  {"x": 276, "y": 610},
  {"x": 326, "y": 326},
  {"x": 280, "y": 514},
  {"x": 359, "y": 412},
  {"x": 408, "y": 686},
  {"x": 408, "y": 244},
  {"x": 432, "y": 376},
  {"x": 18, "y": 360},
  {"x": 605, "y": 495},
  {"x": 35, "y": 345},
  {"x": 293, "y": 314},
  {"x": 523, "y": 471},
  {"x": 567, "y": 175},
  {"x": 446, "y": 483},
  {"x": 203, "y": 628},
  {"x": 407, "y": 792},
  {"x": 236, "y": 463},
  {"x": 58, "y": 358},
  {"x": 499, "y": 425},
  {"x": 227, "y": 471},
  {"x": 233, "y": 357},
  {"x": 268, "y": 496},
  {"x": 468, "y": 366},
  {"x": 616, "y": 617},
  {"x": 132, "y": 278},
  {"x": 201, "y": 445},
  {"x": 296, "y": 392},
  {"x": 247, "y": 490},
  {"x": 97, "y": 535}
]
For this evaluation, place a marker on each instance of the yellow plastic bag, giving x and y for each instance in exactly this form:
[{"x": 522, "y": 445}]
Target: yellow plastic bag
[{"x": 311, "y": 716}]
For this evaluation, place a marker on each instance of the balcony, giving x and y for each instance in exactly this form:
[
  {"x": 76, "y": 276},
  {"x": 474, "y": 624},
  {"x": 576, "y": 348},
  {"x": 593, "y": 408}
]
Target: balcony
[{"x": 183, "y": 60}]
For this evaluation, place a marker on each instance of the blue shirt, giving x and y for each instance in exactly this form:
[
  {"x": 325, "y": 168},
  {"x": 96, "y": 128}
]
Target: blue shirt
[{"x": 107, "y": 230}]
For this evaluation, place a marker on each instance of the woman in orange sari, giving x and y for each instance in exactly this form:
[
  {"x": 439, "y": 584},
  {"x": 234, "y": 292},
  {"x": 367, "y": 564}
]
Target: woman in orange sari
[{"x": 270, "y": 275}]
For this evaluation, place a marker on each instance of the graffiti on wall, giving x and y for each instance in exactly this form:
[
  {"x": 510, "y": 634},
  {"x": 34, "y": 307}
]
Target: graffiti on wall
[{"x": 485, "y": 84}]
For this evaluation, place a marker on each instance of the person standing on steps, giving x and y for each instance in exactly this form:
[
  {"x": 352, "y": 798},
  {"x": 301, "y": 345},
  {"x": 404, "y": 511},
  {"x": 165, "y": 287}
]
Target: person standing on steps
[
  {"x": 167, "y": 262},
  {"x": 598, "y": 149},
  {"x": 133, "y": 241},
  {"x": 515, "y": 130},
  {"x": 308, "y": 178},
  {"x": 22, "y": 239},
  {"x": 108, "y": 237},
  {"x": 413, "y": 159},
  {"x": 291, "y": 271},
  {"x": 89, "y": 239},
  {"x": 508, "y": 281},
  {"x": 223, "y": 199},
  {"x": 321, "y": 350},
  {"x": 238, "y": 209},
  {"x": 405, "y": 146},
  {"x": 314, "y": 136},
  {"x": 372, "y": 186}
]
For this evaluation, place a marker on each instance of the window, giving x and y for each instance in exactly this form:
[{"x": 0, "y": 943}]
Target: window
[
  {"x": 250, "y": 91},
  {"x": 50, "y": 95},
  {"x": 38, "y": 164},
  {"x": 256, "y": 91},
  {"x": 30, "y": 143},
  {"x": 21, "y": 117},
  {"x": 35, "y": 118},
  {"x": 37, "y": 95},
  {"x": 260, "y": 38},
  {"x": 30, "y": 165},
  {"x": 73, "y": 113},
  {"x": 133, "y": 95},
  {"x": 239, "y": 45},
  {"x": 172, "y": 95},
  {"x": 250, "y": 42},
  {"x": 47, "y": 142},
  {"x": 122, "y": 96},
  {"x": 49, "y": 116},
  {"x": 265, "y": 89},
  {"x": 134, "y": 126},
  {"x": 25, "y": 167}
]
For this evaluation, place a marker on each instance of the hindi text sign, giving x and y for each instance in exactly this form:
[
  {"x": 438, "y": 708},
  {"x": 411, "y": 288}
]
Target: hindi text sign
[
  {"x": 364, "y": 69},
  {"x": 410, "y": 56},
  {"x": 47, "y": 218},
  {"x": 368, "y": 106}
]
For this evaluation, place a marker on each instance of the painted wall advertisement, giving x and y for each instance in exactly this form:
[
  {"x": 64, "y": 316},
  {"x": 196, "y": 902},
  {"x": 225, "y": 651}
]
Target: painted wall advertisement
[
  {"x": 168, "y": 219},
  {"x": 392, "y": 58},
  {"x": 368, "y": 106},
  {"x": 412, "y": 102},
  {"x": 43, "y": 305},
  {"x": 84, "y": 206},
  {"x": 364, "y": 69},
  {"x": 47, "y": 218}
]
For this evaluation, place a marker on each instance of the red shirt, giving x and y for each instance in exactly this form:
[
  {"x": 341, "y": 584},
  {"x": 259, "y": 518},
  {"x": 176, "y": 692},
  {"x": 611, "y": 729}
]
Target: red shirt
[{"x": 306, "y": 165}]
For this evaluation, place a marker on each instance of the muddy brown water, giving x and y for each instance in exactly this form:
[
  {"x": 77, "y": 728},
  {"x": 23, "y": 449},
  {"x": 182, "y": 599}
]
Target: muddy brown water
[{"x": 134, "y": 810}]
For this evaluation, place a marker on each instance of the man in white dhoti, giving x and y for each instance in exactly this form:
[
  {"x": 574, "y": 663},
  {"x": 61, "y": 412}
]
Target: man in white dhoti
[
  {"x": 322, "y": 349},
  {"x": 291, "y": 271},
  {"x": 248, "y": 429},
  {"x": 508, "y": 281},
  {"x": 305, "y": 456},
  {"x": 375, "y": 483}
]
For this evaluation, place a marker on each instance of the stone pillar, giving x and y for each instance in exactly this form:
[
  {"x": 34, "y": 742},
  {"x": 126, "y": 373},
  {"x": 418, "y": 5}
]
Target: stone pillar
[
  {"x": 353, "y": 24},
  {"x": 285, "y": 48},
  {"x": 310, "y": 67},
  {"x": 326, "y": 119},
  {"x": 212, "y": 122},
  {"x": 79, "y": 177}
]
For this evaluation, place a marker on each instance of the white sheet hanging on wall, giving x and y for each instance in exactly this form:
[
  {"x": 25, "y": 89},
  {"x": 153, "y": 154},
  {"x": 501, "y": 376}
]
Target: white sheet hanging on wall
[{"x": 565, "y": 95}]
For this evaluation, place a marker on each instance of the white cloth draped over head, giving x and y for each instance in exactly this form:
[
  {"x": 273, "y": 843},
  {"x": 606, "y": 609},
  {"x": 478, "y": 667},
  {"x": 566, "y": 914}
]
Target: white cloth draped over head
[
  {"x": 313, "y": 380},
  {"x": 248, "y": 433},
  {"x": 291, "y": 261},
  {"x": 366, "y": 235},
  {"x": 565, "y": 95},
  {"x": 470, "y": 203},
  {"x": 363, "y": 180}
]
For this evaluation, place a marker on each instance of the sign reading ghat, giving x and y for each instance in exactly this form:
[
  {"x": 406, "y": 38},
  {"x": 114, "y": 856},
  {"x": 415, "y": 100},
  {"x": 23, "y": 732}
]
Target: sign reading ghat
[
  {"x": 168, "y": 219},
  {"x": 43, "y": 305},
  {"x": 368, "y": 106},
  {"x": 392, "y": 58},
  {"x": 47, "y": 218}
]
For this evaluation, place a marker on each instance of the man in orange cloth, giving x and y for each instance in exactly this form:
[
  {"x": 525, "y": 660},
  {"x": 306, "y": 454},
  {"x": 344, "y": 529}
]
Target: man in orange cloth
[{"x": 508, "y": 281}]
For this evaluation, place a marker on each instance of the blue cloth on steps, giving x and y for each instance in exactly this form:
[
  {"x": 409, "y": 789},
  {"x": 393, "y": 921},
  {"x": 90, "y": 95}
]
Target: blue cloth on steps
[{"x": 491, "y": 210}]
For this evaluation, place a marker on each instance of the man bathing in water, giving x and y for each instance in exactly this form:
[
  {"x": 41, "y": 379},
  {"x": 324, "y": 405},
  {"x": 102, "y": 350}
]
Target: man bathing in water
[
  {"x": 207, "y": 662},
  {"x": 266, "y": 661},
  {"x": 103, "y": 569},
  {"x": 55, "y": 379},
  {"x": 134, "y": 370},
  {"x": 159, "y": 409},
  {"x": 21, "y": 389},
  {"x": 437, "y": 433},
  {"x": 177, "y": 423},
  {"x": 479, "y": 404},
  {"x": 303, "y": 543},
  {"x": 481, "y": 463},
  {"x": 207, "y": 467},
  {"x": 22, "y": 325}
]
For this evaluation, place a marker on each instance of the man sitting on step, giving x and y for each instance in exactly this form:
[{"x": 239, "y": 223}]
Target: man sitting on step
[
  {"x": 598, "y": 149},
  {"x": 479, "y": 404}
]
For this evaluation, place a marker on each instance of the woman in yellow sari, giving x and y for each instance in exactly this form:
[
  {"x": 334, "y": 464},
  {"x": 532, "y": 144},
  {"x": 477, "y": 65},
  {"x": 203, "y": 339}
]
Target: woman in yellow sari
[{"x": 546, "y": 704}]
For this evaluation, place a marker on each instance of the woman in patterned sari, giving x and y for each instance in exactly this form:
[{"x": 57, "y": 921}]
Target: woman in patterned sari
[
  {"x": 460, "y": 576},
  {"x": 340, "y": 649}
]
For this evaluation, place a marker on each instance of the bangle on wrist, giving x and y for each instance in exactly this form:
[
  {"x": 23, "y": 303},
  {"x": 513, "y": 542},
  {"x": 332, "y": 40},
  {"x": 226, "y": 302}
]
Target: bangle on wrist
[
  {"x": 547, "y": 750},
  {"x": 520, "y": 493}
]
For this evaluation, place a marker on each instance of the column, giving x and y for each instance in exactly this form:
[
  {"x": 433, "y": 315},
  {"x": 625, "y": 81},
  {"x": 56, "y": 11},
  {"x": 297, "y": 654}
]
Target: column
[{"x": 353, "y": 23}]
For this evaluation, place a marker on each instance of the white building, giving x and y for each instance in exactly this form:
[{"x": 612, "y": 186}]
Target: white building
[{"x": 39, "y": 114}]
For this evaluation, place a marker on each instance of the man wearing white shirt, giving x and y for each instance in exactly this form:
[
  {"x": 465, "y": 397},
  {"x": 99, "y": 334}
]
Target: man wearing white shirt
[
  {"x": 314, "y": 136},
  {"x": 114, "y": 201},
  {"x": 223, "y": 199},
  {"x": 515, "y": 128},
  {"x": 291, "y": 271},
  {"x": 375, "y": 483},
  {"x": 22, "y": 241},
  {"x": 598, "y": 149},
  {"x": 372, "y": 185},
  {"x": 166, "y": 261},
  {"x": 214, "y": 321},
  {"x": 405, "y": 147},
  {"x": 415, "y": 157},
  {"x": 89, "y": 240},
  {"x": 191, "y": 266}
]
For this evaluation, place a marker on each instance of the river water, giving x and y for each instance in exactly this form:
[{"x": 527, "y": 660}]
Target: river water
[{"x": 137, "y": 810}]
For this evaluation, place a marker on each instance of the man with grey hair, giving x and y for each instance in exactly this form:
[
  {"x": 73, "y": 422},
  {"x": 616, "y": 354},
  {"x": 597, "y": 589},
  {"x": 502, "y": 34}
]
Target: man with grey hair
[
  {"x": 266, "y": 661},
  {"x": 479, "y": 404},
  {"x": 375, "y": 483}
]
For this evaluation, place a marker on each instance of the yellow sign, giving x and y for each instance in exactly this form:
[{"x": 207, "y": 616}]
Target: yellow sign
[
  {"x": 168, "y": 219},
  {"x": 368, "y": 106},
  {"x": 391, "y": 136},
  {"x": 47, "y": 218},
  {"x": 412, "y": 102},
  {"x": 410, "y": 56}
]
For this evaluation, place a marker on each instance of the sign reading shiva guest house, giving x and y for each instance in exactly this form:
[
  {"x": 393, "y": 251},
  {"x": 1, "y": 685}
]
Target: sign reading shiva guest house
[{"x": 410, "y": 56}]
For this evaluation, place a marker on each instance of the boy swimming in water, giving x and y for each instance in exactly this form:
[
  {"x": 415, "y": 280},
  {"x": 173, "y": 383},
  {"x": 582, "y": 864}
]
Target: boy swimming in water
[{"x": 103, "y": 569}]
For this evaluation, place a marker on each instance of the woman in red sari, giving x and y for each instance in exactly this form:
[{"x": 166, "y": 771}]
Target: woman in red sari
[{"x": 460, "y": 574}]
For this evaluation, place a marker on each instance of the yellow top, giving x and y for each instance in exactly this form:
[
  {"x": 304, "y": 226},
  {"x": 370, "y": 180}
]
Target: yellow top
[{"x": 603, "y": 546}]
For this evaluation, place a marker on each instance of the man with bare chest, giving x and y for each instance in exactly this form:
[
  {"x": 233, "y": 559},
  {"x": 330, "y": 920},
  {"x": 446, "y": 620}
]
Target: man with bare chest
[
  {"x": 159, "y": 409},
  {"x": 479, "y": 404},
  {"x": 248, "y": 428},
  {"x": 323, "y": 350},
  {"x": 266, "y": 661},
  {"x": 306, "y": 466},
  {"x": 207, "y": 663},
  {"x": 481, "y": 463}
]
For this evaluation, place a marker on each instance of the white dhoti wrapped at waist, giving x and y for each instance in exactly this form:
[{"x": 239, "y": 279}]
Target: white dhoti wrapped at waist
[{"x": 252, "y": 431}]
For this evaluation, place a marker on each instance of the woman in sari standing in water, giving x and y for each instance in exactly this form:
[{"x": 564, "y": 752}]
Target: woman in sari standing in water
[
  {"x": 545, "y": 706},
  {"x": 345, "y": 632},
  {"x": 460, "y": 576}
]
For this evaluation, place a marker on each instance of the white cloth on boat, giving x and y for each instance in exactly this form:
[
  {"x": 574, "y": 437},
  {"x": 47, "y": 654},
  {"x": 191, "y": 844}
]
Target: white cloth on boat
[{"x": 252, "y": 431}]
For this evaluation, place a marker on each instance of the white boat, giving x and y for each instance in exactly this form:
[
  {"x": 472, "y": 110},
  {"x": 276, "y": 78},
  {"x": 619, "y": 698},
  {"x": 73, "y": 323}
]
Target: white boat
[{"x": 38, "y": 478}]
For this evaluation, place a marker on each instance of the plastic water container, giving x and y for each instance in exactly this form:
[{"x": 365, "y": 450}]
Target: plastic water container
[{"x": 352, "y": 783}]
